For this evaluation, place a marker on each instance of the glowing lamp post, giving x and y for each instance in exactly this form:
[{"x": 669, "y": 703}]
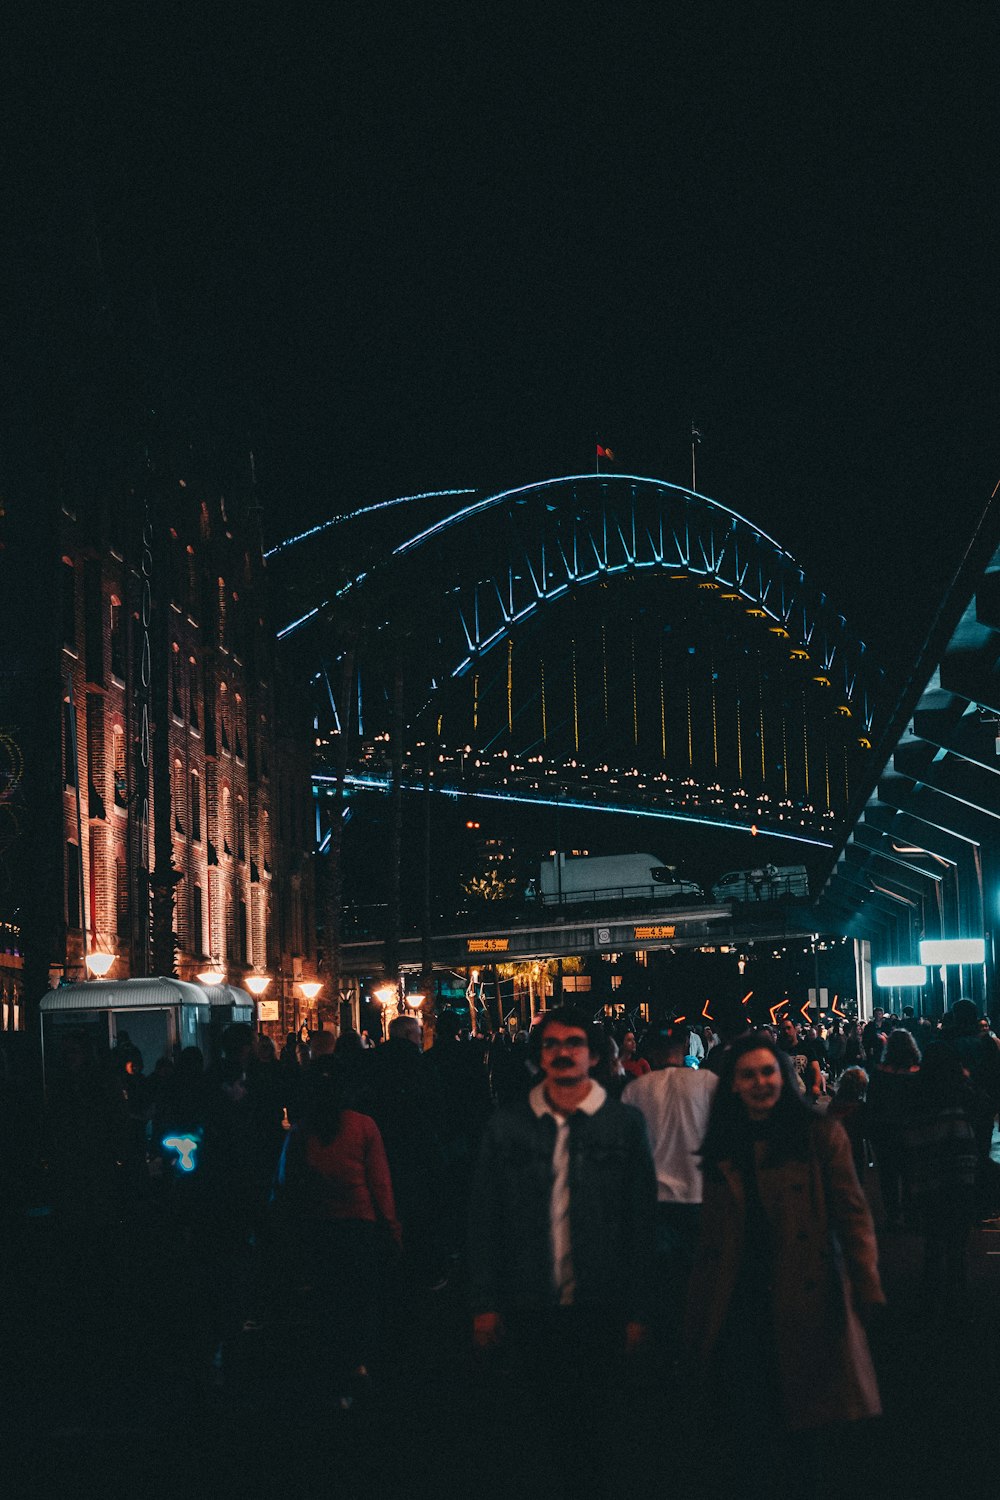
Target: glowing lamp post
[
  {"x": 213, "y": 975},
  {"x": 415, "y": 1003},
  {"x": 385, "y": 995},
  {"x": 257, "y": 984},
  {"x": 99, "y": 964}
]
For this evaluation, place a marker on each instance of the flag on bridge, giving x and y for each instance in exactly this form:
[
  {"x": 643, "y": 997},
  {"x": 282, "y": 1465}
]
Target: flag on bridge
[{"x": 604, "y": 452}]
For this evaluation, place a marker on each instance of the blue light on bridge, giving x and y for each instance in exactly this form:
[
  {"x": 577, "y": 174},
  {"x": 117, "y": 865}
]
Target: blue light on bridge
[
  {"x": 480, "y": 505},
  {"x": 381, "y": 784},
  {"x": 353, "y": 515}
]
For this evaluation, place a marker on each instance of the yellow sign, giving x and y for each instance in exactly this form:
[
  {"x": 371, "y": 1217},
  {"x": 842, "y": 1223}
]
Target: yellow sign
[
  {"x": 650, "y": 934},
  {"x": 489, "y": 945}
]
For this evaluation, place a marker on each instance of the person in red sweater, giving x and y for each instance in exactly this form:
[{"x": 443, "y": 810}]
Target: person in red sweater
[
  {"x": 634, "y": 1065},
  {"x": 334, "y": 1185}
]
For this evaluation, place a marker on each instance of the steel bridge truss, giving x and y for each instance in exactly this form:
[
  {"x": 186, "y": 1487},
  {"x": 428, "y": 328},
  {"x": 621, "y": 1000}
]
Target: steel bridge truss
[{"x": 546, "y": 540}]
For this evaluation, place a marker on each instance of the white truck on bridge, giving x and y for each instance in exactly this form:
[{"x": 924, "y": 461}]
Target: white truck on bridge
[{"x": 611, "y": 877}]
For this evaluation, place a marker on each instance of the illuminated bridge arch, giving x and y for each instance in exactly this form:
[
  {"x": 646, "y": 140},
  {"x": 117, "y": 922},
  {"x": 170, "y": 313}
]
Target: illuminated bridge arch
[
  {"x": 562, "y": 534},
  {"x": 616, "y": 622}
]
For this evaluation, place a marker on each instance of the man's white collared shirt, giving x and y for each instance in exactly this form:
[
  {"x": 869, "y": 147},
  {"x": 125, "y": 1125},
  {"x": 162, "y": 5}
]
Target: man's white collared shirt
[{"x": 559, "y": 1224}]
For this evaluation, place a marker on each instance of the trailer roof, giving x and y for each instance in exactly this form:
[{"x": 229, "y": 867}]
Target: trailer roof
[{"x": 140, "y": 994}]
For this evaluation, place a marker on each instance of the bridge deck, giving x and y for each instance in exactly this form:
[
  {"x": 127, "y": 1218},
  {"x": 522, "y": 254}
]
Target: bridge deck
[{"x": 582, "y": 931}]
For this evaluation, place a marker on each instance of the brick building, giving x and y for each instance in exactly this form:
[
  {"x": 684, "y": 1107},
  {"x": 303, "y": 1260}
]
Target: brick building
[{"x": 184, "y": 756}]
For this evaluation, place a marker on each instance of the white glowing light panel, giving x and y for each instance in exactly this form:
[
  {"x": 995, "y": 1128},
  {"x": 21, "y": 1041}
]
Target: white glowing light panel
[
  {"x": 953, "y": 951},
  {"x": 900, "y": 975}
]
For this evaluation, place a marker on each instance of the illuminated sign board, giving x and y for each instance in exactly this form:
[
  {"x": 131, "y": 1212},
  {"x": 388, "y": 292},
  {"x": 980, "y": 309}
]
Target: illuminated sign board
[
  {"x": 651, "y": 934},
  {"x": 898, "y": 975},
  {"x": 489, "y": 945},
  {"x": 953, "y": 951}
]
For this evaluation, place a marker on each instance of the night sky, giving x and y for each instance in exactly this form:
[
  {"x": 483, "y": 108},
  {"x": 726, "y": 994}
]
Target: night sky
[{"x": 449, "y": 245}]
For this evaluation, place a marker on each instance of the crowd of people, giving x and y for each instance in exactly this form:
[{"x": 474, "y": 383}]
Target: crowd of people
[{"x": 667, "y": 1205}]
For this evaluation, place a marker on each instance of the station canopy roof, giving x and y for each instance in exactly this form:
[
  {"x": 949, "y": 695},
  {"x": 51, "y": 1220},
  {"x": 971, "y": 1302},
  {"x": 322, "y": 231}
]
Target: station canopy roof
[{"x": 932, "y": 803}]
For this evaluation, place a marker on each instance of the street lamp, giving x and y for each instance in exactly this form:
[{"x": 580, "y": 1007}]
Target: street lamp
[
  {"x": 98, "y": 964},
  {"x": 213, "y": 975},
  {"x": 257, "y": 983},
  {"x": 310, "y": 988}
]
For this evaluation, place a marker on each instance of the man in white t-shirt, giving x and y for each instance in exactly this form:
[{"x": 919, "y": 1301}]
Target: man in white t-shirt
[{"x": 675, "y": 1101}]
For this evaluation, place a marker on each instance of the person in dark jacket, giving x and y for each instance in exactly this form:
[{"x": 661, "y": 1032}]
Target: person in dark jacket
[
  {"x": 942, "y": 1162},
  {"x": 979, "y": 1056},
  {"x": 785, "y": 1275},
  {"x": 890, "y": 1095},
  {"x": 561, "y": 1239}
]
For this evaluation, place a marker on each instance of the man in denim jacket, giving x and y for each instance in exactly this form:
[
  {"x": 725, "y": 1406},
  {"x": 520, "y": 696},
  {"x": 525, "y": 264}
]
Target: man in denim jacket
[{"x": 561, "y": 1225}]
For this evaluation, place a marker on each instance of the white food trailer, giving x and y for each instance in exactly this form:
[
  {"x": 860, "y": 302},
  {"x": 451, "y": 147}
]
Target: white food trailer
[{"x": 161, "y": 1015}]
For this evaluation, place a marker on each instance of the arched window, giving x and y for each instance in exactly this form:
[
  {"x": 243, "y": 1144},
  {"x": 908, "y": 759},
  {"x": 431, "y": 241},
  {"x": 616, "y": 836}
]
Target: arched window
[
  {"x": 241, "y": 841},
  {"x": 226, "y": 830},
  {"x": 117, "y": 639},
  {"x": 194, "y": 692},
  {"x": 192, "y": 582},
  {"x": 197, "y": 921},
  {"x": 176, "y": 682},
  {"x": 221, "y": 613},
  {"x": 118, "y": 753},
  {"x": 177, "y": 796},
  {"x": 223, "y": 716},
  {"x": 195, "y": 805},
  {"x": 121, "y": 899},
  {"x": 68, "y": 576}
]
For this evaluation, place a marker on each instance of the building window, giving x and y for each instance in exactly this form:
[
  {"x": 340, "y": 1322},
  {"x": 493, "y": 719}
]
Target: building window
[
  {"x": 95, "y": 755},
  {"x": 195, "y": 805},
  {"x": 177, "y": 685},
  {"x": 121, "y": 898},
  {"x": 72, "y": 885},
  {"x": 69, "y": 745},
  {"x": 241, "y": 842},
  {"x": 242, "y": 934},
  {"x": 192, "y": 583},
  {"x": 227, "y": 847},
  {"x": 68, "y": 602},
  {"x": 118, "y": 750},
  {"x": 197, "y": 921},
  {"x": 193, "y": 717},
  {"x": 117, "y": 639},
  {"x": 177, "y": 795},
  {"x": 93, "y": 613}
]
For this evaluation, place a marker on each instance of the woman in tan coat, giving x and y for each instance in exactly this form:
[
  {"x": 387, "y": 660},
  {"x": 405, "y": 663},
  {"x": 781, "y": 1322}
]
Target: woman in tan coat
[{"x": 787, "y": 1267}]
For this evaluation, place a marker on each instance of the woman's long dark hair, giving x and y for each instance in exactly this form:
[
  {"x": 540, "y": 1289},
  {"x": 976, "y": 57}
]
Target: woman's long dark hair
[
  {"x": 324, "y": 1104},
  {"x": 729, "y": 1136}
]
